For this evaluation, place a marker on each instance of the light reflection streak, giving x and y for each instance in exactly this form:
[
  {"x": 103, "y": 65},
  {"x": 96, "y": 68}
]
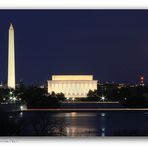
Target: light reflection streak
[
  {"x": 75, "y": 131},
  {"x": 21, "y": 114},
  {"x": 103, "y": 117}
]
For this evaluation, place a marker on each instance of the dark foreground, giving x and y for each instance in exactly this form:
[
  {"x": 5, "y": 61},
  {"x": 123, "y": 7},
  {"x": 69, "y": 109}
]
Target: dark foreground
[{"x": 97, "y": 123}]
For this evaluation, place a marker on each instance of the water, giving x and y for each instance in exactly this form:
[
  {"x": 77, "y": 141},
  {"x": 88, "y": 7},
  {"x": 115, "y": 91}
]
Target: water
[{"x": 111, "y": 123}]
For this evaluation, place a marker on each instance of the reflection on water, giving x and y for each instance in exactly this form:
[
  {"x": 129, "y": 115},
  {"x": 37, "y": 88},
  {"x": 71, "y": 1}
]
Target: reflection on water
[
  {"x": 103, "y": 116},
  {"x": 77, "y": 131},
  {"x": 74, "y": 124},
  {"x": 21, "y": 114}
]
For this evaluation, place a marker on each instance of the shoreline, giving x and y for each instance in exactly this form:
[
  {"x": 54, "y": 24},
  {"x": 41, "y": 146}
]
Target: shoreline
[{"x": 85, "y": 110}]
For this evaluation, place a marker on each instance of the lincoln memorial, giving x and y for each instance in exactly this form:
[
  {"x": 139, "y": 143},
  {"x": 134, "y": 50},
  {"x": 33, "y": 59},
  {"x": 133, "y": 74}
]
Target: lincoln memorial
[{"x": 72, "y": 86}]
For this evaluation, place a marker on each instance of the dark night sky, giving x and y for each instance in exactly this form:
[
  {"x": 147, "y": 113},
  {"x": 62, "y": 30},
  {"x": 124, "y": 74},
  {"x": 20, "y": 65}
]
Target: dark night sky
[{"x": 111, "y": 45}]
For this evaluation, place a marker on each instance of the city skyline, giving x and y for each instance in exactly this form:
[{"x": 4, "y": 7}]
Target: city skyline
[{"x": 111, "y": 45}]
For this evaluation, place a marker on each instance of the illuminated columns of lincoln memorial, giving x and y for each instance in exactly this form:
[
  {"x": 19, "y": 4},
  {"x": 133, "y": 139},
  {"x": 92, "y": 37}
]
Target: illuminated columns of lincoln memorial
[{"x": 73, "y": 86}]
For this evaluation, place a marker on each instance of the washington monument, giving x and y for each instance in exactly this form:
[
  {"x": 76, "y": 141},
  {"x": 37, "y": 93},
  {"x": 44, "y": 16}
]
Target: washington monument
[{"x": 11, "y": 59}]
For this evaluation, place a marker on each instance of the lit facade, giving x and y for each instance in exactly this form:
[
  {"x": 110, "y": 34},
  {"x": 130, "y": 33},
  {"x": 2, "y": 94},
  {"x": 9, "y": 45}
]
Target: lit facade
[
  {"x": 11, "y": 59},
  {"x": 73, "y": 86}
]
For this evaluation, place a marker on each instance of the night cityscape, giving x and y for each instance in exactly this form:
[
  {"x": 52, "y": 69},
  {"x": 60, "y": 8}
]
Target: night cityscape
[{"x": 73, "y": 73}]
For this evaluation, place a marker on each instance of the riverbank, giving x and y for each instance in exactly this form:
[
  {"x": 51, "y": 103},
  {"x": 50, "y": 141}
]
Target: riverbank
[
  {"x": 87, "y": 110},
  {"x": 88, "y": 107}
]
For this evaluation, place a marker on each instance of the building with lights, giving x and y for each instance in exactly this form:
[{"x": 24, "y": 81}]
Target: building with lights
[
  {"x": 72, "y": 86},
  {"x": 142, "y": 80}
]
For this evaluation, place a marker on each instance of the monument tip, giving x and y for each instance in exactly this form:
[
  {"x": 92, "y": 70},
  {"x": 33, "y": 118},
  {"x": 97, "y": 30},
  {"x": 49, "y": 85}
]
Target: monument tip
[{"x": 11, "y": 26}]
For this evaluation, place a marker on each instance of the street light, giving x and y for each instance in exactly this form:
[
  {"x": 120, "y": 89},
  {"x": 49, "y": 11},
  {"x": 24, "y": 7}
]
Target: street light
[
  {"x": 73, "y": 99},
  {"x": 14, "y": 98},
  {"x": 102, "y": 98},
  {"x": 67, "y": 99},
  {"x": 21, "y": 107}
]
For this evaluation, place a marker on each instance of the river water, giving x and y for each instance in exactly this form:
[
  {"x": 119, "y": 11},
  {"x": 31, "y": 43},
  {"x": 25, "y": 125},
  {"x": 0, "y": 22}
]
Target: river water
[{"x": 44, "y": 123}]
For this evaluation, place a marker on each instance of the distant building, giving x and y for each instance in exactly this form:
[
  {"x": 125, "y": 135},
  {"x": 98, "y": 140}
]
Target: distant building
[{"x": 73, "y": 86}]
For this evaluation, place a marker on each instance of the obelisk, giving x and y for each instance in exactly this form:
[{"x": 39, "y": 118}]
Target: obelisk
[{"x": 11, "y": 59}]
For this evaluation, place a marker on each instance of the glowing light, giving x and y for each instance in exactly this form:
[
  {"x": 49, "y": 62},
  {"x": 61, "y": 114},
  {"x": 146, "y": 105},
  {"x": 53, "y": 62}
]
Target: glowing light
[
  {"x": 67, "y": 130},
  {"x": 103, "y": 129},
  {"x": 73, "y": 114},
  {"x": 14, "y": 98},
  {"x": 142, "y": 78},
  {"x": 21, "y": 114},
  {"x": 102, "y": 98},
  {"x": 103, "y": 114},
  {"x": 10, "y": 117},
  {"x": 11, "y": 59},
  {"x": 21, "y": 107}
]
